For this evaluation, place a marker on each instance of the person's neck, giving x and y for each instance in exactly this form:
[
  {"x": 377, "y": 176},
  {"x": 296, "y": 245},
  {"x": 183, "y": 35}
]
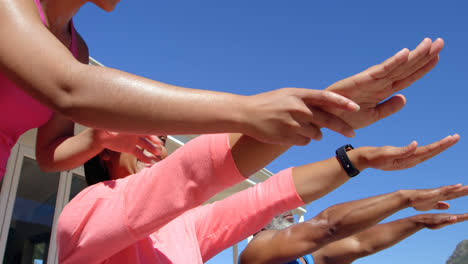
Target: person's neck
[{"x": 59, "y": 14}]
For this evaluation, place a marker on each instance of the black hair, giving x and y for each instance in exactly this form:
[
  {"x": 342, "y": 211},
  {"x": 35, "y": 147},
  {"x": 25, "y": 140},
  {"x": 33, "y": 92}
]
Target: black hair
[{"x": 96, "y": 171}]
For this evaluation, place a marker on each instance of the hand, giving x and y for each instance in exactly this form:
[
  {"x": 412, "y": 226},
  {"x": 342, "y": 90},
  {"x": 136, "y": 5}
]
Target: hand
[
  {"x": 133, "y": 144},
  {"x": 370, "y": 87},
  {"x": 390, "y": 158},
  {"x": 428, "y": 199},
  {"x": 294, "y": 115},
  {"x": 437, "y": 221}
]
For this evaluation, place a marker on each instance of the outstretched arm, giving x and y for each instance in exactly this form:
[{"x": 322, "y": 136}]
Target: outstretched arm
[
  {"x": 369, "y": 89},
  {"x": 316, "y": 180},
  {"x": 341, "y": 221},
  {"x": 111, "y": 99},
  {"x": 380, "y": 237}
]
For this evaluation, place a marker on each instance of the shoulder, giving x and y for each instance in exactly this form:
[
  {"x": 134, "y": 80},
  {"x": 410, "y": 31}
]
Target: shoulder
[
  {"x": 19, "y": 12},
  {"x": 258, "y": 249}
]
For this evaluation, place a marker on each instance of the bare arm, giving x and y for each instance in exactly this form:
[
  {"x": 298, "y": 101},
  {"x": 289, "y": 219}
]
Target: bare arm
[
  {"x": 316, "y": 180},
  {"x": 380, "y": 237},
  {"x": 340, "y": 221},
  {"x": 110, "y": 99},
  {"x": 58, "y": 149}
]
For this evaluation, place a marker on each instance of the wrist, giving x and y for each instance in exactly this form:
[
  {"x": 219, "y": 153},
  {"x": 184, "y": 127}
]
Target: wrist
[
  {"x": 418, "y": 221},
  {"x": 99, "y": 137},
  {"x": 358, "y": 158},
  {"x": 241, "y": 115}
]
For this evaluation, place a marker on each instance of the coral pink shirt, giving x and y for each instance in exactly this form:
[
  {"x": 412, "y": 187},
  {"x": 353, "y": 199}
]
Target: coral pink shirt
[
  {"x": 20, "y": 112},
  {"x": 148, "y": 217}
]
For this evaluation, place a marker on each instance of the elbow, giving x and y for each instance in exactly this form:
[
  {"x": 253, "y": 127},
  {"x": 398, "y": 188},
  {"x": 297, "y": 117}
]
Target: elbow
[
  {"x": 329, "y": 229},
  {"x": 67, "y": 92},
  {"x": 45, "y": 165},
  {"x": 64, "y": 102}
]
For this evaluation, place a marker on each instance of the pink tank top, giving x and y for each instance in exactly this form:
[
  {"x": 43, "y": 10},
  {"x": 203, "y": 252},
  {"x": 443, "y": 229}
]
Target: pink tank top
[{"x": 19, "y": 111}]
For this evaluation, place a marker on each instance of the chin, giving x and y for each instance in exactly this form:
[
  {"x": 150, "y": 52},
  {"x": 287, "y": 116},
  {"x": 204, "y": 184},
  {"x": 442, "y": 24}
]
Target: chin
[{"x": 108, "y": 5}]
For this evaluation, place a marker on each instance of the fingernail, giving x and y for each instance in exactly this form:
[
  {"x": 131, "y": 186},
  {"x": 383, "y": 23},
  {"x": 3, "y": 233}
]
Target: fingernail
[{"x": 354, "y": 106}]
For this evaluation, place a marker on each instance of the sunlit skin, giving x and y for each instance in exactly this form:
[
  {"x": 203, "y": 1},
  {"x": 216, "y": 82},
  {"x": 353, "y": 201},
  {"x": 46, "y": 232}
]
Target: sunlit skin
[{"x": 121, "y": 165}]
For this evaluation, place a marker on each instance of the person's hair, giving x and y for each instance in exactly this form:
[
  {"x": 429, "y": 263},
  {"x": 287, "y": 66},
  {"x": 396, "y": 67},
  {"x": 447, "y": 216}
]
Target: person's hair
[{"x": 96, "y": 171}]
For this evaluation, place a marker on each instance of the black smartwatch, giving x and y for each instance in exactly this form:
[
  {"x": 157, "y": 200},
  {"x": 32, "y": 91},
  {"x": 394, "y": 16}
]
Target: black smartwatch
[{"x": 344, "y": 160}]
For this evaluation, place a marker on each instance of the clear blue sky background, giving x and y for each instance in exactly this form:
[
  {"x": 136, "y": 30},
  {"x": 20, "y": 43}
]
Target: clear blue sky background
[{"x": 248, "y": 47}]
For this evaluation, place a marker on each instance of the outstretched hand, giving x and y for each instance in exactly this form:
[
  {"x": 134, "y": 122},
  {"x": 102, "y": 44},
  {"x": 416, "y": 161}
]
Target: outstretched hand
[
  {"x": 389, "y": 158},
  {"x": 428, "y": 199},
  {"x": 437, "y": 221},
  {"x": 132, "y": 144},
  {"x": 294, "y": 115},
  {"x": 370, "y": 87}
]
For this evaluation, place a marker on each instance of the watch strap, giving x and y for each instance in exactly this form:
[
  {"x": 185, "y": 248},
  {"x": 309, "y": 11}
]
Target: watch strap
[{"x": 343, "y": 158}]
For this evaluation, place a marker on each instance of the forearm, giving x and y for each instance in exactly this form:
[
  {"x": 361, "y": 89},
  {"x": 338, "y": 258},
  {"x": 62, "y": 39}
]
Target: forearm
[
  {"x": 349, "y": 218},
  {"x": 317, "y": 179},
  {"x": 68, "y": 152},
  {"x": 251, "y": 155},
  {"x": 367, "y": 242},
  {"x": 115, "y": 100},
  {"x": 336, "y": 223},
  {"x": 383, "y": 236}
]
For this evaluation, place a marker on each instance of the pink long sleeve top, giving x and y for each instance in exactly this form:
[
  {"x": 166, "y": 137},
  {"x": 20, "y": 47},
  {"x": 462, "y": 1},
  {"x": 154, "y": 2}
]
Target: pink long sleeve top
[{"x": 154, "y": 216}]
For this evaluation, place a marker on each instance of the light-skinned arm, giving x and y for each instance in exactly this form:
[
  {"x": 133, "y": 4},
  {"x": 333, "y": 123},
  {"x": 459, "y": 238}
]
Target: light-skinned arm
[{"x": 111, "y": 99}]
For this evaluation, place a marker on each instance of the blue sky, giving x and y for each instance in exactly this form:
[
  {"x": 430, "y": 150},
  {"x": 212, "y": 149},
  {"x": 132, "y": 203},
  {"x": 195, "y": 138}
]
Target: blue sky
[{"x": 248, "y": 47}]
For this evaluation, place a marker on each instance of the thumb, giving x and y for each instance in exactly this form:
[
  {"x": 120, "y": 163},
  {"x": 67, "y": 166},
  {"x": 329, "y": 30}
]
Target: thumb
[{"x": 391, "y": 106}]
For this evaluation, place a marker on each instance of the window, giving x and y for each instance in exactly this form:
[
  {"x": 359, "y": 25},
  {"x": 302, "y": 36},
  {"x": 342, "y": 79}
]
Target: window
[{"x": 30, "y": 204}]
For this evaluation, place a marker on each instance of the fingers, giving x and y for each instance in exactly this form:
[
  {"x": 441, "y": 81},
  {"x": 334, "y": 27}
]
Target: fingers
[
  {"x": 140, "y": 155},
  {"x": 319, "y": 118},
  {"x": 436, "y": 221},
  {"x": 433, "y": 198},
  {"x": 391, "y": 106},
  {"x": 157, "y": 140},
  {"x": 461, "y": 217},
  {"x": 400, "y": 152},
  {"x": 328, "y": 99},
  {"x": 149, "y": 146},
  {"x": 423, "y": 57},
  {"x": 148, "y": 149},
  {"x": 309, "y": 131},
  {"x": 399, "y": 85},
  {"x": 417, "y": 55},
  {"x": 456, "y": 193},
  {"x": 442, "y": 206},
  {"x": 383, "y": 69},
  {"x": 426, "y": 152}
]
